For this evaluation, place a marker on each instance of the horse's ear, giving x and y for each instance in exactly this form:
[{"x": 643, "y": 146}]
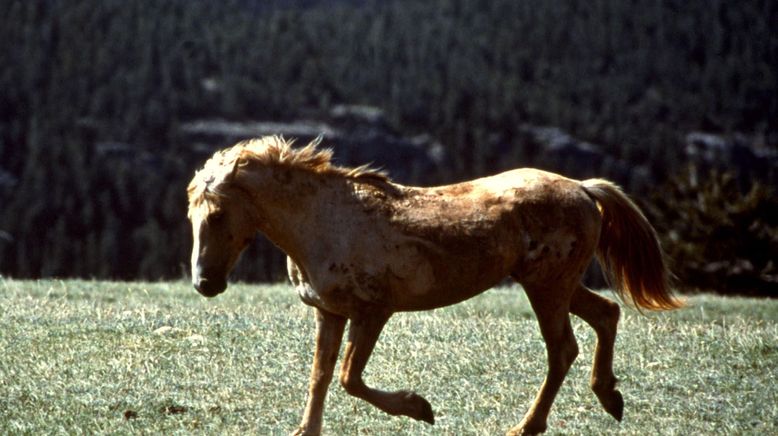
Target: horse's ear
[{"x": 234, "y": 171}]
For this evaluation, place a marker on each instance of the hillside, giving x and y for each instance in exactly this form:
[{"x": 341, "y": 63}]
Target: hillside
[{"x": 99, "y": 99}]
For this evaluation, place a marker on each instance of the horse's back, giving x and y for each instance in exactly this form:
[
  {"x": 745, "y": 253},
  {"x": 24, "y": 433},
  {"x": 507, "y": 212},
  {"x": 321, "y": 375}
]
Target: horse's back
[
  {"x": 521, "y": 197},
  {"x": 469, "y": 236}
]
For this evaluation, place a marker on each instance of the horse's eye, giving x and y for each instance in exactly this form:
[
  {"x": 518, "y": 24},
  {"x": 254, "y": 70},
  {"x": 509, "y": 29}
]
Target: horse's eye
[{"x": 216, "y": 217}]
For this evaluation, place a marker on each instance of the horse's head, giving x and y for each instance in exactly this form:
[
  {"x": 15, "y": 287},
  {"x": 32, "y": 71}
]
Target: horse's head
[
  {"x": 223, "y": 206},
  {"x": 220, "y": 234},
  {"x": 222, "y": 227}
]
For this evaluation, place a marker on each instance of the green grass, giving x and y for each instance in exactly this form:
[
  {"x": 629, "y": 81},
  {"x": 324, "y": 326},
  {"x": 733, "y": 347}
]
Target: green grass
[{"x": 80, "y": 357}]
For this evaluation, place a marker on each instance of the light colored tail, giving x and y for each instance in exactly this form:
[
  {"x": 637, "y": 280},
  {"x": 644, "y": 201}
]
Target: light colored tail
[{"x": 629, "y": 250}]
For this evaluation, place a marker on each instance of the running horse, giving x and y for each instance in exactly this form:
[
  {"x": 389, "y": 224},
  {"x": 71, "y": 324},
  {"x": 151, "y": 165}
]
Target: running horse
[{"x": 361, "y": 247}]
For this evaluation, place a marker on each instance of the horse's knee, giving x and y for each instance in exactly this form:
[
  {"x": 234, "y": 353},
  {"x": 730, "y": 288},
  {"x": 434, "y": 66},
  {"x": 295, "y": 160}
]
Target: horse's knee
[
  {"x": 612, "y": 314},
  {"x": 353, "y": 385},
  {"x": 565, "y": 353},
  {"x": 607, "y": 319},
  {"x": 570, "y": 354}
]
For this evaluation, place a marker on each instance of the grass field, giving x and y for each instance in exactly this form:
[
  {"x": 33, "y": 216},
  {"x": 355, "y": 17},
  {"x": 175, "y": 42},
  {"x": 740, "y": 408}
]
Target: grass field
[{"x": 84, "y": 357}]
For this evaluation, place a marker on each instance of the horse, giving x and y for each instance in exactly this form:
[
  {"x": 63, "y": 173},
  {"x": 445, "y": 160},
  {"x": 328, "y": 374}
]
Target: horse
[{"x": 361, "y": 247}]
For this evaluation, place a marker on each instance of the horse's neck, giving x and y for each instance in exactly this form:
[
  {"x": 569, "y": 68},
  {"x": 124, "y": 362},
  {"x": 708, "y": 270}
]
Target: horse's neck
[{"x": 291, "y": 208}]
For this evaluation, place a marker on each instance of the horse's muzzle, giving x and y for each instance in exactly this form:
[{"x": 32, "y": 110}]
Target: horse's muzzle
[{"x": 209, "y": 288}]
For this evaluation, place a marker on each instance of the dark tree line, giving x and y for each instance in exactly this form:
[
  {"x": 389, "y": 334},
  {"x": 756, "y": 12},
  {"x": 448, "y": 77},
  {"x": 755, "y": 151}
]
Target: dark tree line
[{"x": 93, "y": 166}]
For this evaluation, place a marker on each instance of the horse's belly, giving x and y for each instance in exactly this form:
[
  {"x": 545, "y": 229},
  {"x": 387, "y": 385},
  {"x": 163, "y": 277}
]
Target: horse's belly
[
  {"x": 442, "y": 278},
  {"x": 405, "y": 275}
]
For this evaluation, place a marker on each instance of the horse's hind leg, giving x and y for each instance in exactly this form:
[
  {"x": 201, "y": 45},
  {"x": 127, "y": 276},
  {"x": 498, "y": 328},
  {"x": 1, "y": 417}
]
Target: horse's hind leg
[
  {"x": 603, "y": 315},
  {"x": 551, "y": 306},
  {"x": 362, "y": 336}
]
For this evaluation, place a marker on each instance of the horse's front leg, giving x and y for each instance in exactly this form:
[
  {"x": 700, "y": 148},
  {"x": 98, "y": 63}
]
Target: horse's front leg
[
  {"x": 329, "y": 334},
  {"x": 362, "y": 336}
]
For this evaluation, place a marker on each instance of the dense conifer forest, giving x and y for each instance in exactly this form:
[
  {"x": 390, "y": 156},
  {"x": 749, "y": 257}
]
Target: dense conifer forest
[{"x": 94, "y": 156}]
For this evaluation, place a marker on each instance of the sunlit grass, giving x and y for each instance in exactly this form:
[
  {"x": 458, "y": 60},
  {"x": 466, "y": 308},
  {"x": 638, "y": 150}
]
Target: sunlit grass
[{"x": 84, "y": 357}]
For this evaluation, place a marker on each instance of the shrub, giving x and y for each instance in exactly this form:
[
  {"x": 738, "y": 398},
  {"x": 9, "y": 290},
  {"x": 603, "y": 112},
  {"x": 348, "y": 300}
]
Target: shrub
[{"x": 719, "y": 236}]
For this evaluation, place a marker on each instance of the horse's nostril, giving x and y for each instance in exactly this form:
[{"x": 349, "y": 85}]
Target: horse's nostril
[
  {"x": 208, "y": 288},
  {"x": 200, "y": 284}
]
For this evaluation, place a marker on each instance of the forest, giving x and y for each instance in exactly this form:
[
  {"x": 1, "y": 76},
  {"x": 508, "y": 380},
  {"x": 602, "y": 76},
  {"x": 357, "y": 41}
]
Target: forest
[{"x": 676, "y": 100}]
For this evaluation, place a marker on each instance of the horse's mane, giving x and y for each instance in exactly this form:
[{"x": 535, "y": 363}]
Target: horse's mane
[
  {"x": 275, "y": 150},
  {"x": 270, "y": 151}
]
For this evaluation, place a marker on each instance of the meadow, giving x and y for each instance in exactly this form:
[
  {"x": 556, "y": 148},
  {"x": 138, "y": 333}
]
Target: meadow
[{"x": 93, "y": 357}]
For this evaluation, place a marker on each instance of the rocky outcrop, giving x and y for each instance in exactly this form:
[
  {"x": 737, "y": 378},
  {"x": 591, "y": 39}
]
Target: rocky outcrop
[
  {"x": 7, "y": 180},
  {"x": 554, "y": 149},
  {"x": 361, "y": 134},
  {"x": 357, "y": 135},
  {"x": 736, "y": 153}
]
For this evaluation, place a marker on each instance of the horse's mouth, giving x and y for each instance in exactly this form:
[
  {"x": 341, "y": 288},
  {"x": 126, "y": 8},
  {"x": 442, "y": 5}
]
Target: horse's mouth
[{"x": 210, "y": 288}]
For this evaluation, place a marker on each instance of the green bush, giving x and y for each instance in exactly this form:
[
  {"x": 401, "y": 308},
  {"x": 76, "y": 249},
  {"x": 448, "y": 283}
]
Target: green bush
[{"x": 719, "y": 235}]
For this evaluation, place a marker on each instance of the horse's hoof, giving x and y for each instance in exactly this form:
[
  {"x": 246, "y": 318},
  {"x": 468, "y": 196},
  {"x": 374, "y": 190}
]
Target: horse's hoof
[
  {"x": 302, "y": 431},
  {"x": 527, "y": 428},
  {"x": 522, "y": 431},
  {"x": 614, "y": 405},
  {"x": 420, "y": 408},
  {"x": 426, "y": 413}
]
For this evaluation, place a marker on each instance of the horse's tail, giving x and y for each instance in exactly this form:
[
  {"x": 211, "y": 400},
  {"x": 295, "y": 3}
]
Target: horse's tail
[{"x": 629, "y": 250}]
